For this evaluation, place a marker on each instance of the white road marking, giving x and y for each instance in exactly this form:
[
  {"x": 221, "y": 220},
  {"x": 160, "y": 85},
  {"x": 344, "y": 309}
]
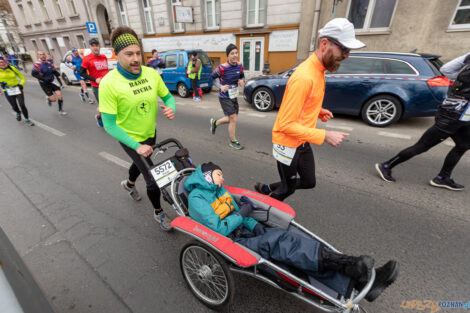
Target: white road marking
[
  {"x": 45, "y": 127},
  {"x": 340, "y": 127},
  {"x": 393, "y": 135},
  {"x": 257, "y": 115},
  {"x": 202, "y": 107},
  {"x": 114, "y": 159}
]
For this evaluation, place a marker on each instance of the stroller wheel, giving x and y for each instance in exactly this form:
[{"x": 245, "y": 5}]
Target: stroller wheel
[{"x": 207, "y": 275}]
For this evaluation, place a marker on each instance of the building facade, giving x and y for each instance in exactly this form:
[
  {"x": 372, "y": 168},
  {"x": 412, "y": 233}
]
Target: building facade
[
  {"x": 10, "y": 40},
  {"x": 266, "y": 31},
  {"x": 56, "y": 26},
  {"x": 439, "y": 27}
]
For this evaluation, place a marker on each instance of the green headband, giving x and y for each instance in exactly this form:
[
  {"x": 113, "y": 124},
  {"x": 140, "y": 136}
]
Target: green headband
[{"x": 124, "y": 41}]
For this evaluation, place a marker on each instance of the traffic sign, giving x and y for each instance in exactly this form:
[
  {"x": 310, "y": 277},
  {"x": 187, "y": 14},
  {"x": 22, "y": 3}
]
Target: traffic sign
[{"x": 91, "y": 26}]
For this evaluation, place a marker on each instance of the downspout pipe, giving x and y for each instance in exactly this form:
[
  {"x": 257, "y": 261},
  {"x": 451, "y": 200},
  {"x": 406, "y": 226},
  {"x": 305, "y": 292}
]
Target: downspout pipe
[{"x": 316, "y": 20}]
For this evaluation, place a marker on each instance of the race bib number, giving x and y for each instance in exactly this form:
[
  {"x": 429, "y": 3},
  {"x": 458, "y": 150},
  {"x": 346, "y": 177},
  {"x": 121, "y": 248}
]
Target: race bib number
[
  {"x": 13, "y": 91},
  {"x": 163, "y": 173},
  {"x": 465, "y": 117},
  {"x": 283, "y": 154},
  {"x": 233, "y": 92}
]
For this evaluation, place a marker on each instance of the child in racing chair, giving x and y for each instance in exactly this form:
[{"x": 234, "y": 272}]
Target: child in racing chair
[{"x": 211, "y": 205}]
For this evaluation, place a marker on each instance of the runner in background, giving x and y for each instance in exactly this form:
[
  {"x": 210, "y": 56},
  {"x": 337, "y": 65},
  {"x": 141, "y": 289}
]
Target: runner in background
[
  {"x": 194, "y": 70},
  {"x": 12, "y": 83},
  {"x": 75, "y": 65},
  {"x": 47, "y": 74},
  {"x": 94, "y": 68},
  {"x": 156, "y": 62}
]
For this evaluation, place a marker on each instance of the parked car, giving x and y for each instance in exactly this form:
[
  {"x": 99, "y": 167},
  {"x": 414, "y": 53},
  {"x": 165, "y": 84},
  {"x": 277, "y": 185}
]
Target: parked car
[
  {"x": 67, "y": 73},
  {"x": 174, "y": 74},
  {"x": 381, "y": 87}
]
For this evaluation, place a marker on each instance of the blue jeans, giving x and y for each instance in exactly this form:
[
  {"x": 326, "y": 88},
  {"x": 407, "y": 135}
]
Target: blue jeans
[{"x": 293, "y": 249}]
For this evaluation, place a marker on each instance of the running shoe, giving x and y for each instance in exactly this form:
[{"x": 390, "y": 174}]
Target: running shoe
[
  {"x": 163, "y": 220},
  {"x": 385, "y": 172},
  {"x": 18, "y": 117},
  {"x": 99, "y": 121},
  {"x": 213, "y": 126},
  {"x": 91, "y": 101},
  {"x": 63, "y": 113},
  {"x": 29, "y": 122},
  {"x": 262, "y": 188},
  {"x": 446, "y": 182},
  {"x": 133, "y": 193},
  {"x": 82, "y": 97},
  {"x": 236, "y": 145}
]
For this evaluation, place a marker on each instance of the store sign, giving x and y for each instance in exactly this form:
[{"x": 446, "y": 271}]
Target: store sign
[
  {"x": 283, "y": 40},
  {"x": 183, "y": 14},
  {"x": 213, "y": 43}
]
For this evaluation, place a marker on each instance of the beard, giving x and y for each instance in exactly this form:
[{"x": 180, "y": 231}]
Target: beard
[{"x": 332, "y": 63}]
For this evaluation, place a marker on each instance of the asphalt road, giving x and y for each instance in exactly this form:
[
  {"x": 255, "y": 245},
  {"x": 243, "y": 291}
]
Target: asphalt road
[{"x": 92, "y": 249}]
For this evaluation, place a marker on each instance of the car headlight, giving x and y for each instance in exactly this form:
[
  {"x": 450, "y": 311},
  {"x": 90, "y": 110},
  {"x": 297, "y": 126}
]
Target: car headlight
[{"x": 248, "y": 83}]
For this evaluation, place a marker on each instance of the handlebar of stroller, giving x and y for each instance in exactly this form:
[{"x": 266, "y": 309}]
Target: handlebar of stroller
[{"x": 160, "y": 145}]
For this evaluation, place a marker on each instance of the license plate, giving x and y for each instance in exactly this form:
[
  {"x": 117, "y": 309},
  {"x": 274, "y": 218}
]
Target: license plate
[
  {"x": 163, "y": 173},
  {"x": 13, "y": 91},
  {"x": 204, "y": 85}
]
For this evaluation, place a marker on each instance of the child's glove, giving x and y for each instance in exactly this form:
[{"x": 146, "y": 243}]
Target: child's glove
[
  {"x": 245, "y": 200},
  {"x": 258, "y": 230}
]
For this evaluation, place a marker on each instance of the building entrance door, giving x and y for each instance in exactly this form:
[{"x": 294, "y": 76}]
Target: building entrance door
[{"x": 252, "y": 55}]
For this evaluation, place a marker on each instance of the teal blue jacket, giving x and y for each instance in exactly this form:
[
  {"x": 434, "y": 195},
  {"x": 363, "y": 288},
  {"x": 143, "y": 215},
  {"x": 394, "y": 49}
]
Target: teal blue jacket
[{"x": 214, "y": 207}]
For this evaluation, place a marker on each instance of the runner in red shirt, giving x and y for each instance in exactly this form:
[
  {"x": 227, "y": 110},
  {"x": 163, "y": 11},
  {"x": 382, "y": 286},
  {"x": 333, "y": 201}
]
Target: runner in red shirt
[{"x": 94, "y": 68}]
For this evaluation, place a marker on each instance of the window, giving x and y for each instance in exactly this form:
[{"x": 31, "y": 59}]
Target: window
[
  {"x": 58, "y": 10},
  {"x": 212, "y": 14},
  {"x": 81, "y": 41},
  {"x": 399, "y": 67},
  {"x": 67, "y": 43},
  {"x": 122, "y": 13},
  {"x": 35, "y": 45},
  {"x": 44, "y": 10},
  {"x": 461, "y": 18},
  {"x": 72, "y": 8},
  {"x": 360, "y": 65},
  {"x": 177, "y": 27},
  {"x": 205, "y": 60},
  {"x": 33, "y": 12},
  {"x": 148, "y": 16},
  {"x": 20, "y": 7},
  {"x": 371, "y": 15},
  {"x": 181, "y": 60},
  {"x": 170, "y": 61},
  {"x": 256, "y": 12}
]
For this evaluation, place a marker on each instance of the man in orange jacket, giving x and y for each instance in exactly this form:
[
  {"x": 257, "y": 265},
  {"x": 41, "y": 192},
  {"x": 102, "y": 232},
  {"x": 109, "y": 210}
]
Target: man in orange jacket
[{"x": 295, "y": 125}]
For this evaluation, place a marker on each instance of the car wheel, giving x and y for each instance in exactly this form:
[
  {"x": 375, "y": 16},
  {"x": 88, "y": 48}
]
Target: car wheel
[
  {"x": 66, "y": 79},
  {"x": 381, "y": 111},
  {"x": 263, "y": 99},
  {"x": 207, "y": 90},
  {"x": 207, "y": 275},
  {"x": 182, "y": 90}
]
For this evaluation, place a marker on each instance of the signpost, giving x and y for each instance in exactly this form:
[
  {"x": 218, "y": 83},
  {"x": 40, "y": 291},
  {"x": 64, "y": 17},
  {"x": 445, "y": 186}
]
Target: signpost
[{"x": 91, "y": 26}]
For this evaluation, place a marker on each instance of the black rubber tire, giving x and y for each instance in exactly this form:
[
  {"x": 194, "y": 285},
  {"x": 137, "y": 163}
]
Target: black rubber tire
[
  {"x": 224, "y": 267},
  {"x": 268, "y": 93},
  {"x": 393, "y": 113},
  {"x": 207, "y": 90},
  {"x": 66, "y": 80},
  {"x": 182, "y": 90}
]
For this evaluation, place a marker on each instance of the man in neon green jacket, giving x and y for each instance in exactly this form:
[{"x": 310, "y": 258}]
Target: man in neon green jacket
[
  {"x": 128, "y": 103},
  {"x": 12, "y": 83}
]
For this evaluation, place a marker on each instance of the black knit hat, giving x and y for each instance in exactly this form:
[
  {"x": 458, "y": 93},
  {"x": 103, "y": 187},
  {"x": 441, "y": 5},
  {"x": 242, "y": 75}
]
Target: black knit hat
[
  {"x": 207, "y": 169},
  {"x": 229, "y": 48}
]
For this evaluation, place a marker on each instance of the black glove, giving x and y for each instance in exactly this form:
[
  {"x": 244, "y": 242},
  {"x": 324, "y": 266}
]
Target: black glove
[
  {"x": 21, "y": 87},
  {"x": 245, "y": 200},
  {"x": 258, "y": 230},
  {"x": 245, "y": 210}
]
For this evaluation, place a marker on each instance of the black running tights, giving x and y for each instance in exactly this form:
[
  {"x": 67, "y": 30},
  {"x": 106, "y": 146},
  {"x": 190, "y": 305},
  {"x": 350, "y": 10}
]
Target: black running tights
[{"x": 15, "y": 100}]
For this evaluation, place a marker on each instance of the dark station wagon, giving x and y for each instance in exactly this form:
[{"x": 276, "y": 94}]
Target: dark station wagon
[{"x": 381, "y": 87}]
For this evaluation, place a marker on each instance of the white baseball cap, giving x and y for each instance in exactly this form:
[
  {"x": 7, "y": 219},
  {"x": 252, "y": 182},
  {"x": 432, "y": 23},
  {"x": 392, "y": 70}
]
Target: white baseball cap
[{"x": 343, "y": 31}]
